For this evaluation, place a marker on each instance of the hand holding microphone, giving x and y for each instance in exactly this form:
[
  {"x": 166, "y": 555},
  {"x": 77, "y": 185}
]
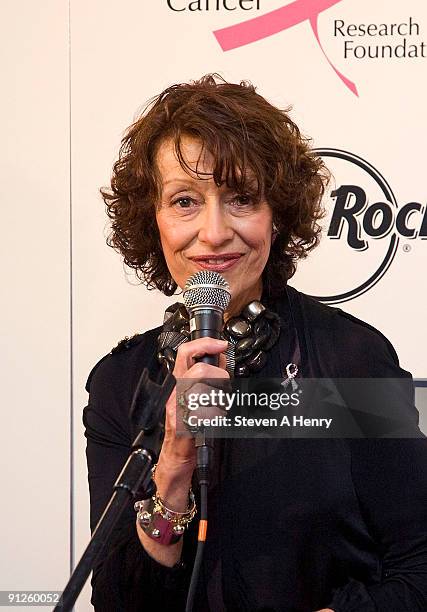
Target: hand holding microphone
[
  {"x": 206, "y": 296},
  {"x": 177, "y": 458}
]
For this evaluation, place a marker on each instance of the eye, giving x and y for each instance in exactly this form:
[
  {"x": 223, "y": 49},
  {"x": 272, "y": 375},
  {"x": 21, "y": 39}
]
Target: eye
[
  {"x": 184, "y": 202},
  {"x": 242, "y": 200},
  {"x": 184, "y": 205}
]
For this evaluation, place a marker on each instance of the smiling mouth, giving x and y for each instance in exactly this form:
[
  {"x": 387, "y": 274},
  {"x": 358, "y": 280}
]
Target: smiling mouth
[{"x": 217, "y": 262}]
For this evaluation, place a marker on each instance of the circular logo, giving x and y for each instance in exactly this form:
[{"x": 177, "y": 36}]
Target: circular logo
[{"x": 359, "y": 237}]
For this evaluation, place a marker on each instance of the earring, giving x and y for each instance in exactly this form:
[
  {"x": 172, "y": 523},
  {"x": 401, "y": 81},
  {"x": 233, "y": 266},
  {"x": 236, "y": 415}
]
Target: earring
[{"x": 274, "y": 232}]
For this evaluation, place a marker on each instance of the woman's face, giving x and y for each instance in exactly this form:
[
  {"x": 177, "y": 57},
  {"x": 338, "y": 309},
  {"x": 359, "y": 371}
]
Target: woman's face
[{"x": 203, "y": 226}]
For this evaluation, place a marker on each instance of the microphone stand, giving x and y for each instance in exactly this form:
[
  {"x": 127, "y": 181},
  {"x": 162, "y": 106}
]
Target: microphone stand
[{"x": 134, "y": 480}]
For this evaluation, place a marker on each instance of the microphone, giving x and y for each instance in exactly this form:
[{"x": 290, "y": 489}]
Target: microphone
[{"x": 206, "y": 296}]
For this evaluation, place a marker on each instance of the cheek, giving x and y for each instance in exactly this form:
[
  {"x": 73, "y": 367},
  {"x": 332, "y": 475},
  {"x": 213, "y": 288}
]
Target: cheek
[
  {"x": 167, "y": 235},
  {"x": 174, "y": 234},
  {"x": 258, "y": 236},
  {"x": 258, "y": 230}
]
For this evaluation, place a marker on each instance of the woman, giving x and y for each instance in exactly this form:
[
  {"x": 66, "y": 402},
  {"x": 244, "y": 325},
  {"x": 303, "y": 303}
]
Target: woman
[{"x": 214, "y": 177}]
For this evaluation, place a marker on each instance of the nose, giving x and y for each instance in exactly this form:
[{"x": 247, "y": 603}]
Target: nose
[{"x": 215, "y": 227}]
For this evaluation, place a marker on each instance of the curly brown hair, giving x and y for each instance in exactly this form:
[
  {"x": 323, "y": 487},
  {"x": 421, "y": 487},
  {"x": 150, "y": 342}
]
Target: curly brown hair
[{"x": 242, "y": 131}]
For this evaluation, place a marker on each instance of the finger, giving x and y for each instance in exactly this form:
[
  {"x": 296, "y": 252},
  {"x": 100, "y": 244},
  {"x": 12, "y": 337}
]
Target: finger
[
  {"x": 177, "y": 449},
  {"x": 196, "y": 388},
  {"x": 170, "y": 409},
  {"x": 202, "y": 378},
  {"x": 205, "y": 370},
  {"x": 189, "y": 351}
]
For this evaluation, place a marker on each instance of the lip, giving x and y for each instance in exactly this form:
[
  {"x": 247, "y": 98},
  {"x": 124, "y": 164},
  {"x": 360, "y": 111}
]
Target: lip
[{"x": 204, "y": 261}]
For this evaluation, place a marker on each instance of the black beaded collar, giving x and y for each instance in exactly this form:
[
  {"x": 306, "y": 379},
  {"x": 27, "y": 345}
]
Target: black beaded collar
[{"x": 250, "y": 335}]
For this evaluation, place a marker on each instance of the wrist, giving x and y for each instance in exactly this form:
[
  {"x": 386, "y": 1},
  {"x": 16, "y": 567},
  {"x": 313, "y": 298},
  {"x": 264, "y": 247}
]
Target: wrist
[
  {"x": 162, "y": 524},
  {"x": 173, "y": 482}
]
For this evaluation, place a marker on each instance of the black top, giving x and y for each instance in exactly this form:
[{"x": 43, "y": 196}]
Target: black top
[{"x": 295, "y": 525}]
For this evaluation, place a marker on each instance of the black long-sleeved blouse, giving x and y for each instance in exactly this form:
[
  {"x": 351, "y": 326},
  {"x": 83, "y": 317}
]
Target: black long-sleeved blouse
[{"x": 295, "y": 525}]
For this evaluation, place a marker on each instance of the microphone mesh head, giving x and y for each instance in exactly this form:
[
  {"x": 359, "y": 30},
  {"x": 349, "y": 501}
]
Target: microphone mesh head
[{"x": 206, "y": 288}]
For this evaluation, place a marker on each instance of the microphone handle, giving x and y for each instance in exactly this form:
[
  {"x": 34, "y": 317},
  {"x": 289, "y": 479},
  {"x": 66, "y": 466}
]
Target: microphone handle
[{"x": 206, "y": 322}]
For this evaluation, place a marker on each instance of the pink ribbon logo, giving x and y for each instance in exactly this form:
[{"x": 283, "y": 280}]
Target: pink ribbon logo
[{"x": 247, "y": 32}]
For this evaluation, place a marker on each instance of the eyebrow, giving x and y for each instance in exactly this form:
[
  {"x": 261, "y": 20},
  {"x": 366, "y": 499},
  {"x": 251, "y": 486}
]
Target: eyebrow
[
  {"x": 180, "y": 180},
  {"x": 251, "y": 181}
]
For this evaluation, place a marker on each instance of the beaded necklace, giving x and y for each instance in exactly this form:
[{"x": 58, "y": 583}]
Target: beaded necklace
[{"x": 250, "y": 336}]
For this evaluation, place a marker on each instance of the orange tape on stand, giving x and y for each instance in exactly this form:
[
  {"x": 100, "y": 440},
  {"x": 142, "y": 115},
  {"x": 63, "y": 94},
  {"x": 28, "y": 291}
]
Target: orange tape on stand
[{"x": 203, "y": 527}]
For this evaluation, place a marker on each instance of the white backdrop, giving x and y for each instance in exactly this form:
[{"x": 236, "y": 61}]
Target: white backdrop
[
  {"x": 76, "y": 75},
  {"x": 35, "y": 321}
]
